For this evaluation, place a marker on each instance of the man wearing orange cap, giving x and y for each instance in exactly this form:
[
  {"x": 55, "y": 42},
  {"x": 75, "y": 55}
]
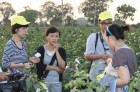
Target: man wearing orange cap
[{"x": 97, "y": 50}]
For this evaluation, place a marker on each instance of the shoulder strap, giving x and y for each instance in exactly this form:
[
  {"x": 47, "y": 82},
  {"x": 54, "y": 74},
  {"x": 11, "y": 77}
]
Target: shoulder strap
[
  {"x": 102, "y": 40},
  {"x": 51, "y": 63},
  {"x": 96, "y": 42}
]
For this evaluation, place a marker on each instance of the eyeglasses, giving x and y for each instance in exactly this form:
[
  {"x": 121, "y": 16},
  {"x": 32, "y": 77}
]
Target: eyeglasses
[
  {"x": 107, "y": 29},
  {"x": 106, "y": 23}
]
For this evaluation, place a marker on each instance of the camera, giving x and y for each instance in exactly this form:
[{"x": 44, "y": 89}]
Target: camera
[{"x": 15, "y": 83}]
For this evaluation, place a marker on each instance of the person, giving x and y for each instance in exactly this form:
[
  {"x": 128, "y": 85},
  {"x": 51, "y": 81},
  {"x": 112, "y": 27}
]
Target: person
[
  {"x": 15, "y": 57},
  {"x": 124, "y": 60},
  {"x": 52, "y": 61},
  {"x": 96, "y": 48}
]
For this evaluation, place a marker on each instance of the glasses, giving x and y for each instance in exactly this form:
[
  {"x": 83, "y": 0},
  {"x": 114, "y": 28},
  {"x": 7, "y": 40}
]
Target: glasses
[
  {"x": 107, "y": 29},
  {"x": 106, "y": 23}
]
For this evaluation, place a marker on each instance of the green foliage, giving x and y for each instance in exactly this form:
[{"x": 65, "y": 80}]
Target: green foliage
[
  {"x": 53, "y": 12},
  {"x": 73, "y": 39},
  {"x": 6, "y": 10},
  {"x": 32, "y": 82},
  {"x": 125, "y": 12},
  {"x": 135, "y": 83},
  {"x": 90, "y": 7},
  {"x": 31, "y": 15},
  {"x": 133, "y": 40},
  {"x": 80, "y": 83}
]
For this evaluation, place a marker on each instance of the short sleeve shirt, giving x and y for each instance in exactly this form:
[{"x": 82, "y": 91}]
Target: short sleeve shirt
[
  {"x": 90, "y": 45},
  {"x": 98, "y": 65},
  {"x": 125, "y": 57}
]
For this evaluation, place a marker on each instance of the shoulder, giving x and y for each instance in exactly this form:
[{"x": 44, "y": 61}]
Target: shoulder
[
  {"x": 40, "y": 49},
  {"x": 119, "y": 53},
  {"x": 61, "y": 49},
  {"x": 9, "y": 44},
  {"x": 93, "y": 35}
]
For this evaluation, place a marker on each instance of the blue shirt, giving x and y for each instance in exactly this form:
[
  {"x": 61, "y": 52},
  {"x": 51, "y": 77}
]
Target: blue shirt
[{"x": 13, "y": 54}]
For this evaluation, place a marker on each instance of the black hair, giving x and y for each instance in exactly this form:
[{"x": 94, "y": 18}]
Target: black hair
[
  {"x": 17, "y": 26},
  {"x": 117, "y": 31},
  {"x": 52, "y": 30}
]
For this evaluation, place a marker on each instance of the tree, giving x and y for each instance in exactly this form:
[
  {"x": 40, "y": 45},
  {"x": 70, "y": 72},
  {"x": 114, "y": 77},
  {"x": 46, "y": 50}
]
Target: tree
[
  {"x": 124, "y": 12},
  {"x": 6, "y": 11},
  {"x": 30, "y": 15},
  {"x": 92, "y": 8},
  {"x": 53, "y": 12}
]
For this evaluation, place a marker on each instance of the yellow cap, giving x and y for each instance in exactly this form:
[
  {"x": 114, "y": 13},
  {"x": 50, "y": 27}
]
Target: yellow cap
[
  {"x": 105, "y": 15},
  {"x": 19, "y": 20}
]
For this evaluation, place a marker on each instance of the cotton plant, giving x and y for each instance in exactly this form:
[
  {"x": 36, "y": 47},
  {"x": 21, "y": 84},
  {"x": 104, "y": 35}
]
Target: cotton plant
[
  {"x": 1, "y": 37},
  {"x": 77, "y": 62}
]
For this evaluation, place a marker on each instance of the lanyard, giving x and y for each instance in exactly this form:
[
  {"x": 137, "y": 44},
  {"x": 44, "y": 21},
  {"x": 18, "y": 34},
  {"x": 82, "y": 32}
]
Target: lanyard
[{"x": 102, "y": 40}]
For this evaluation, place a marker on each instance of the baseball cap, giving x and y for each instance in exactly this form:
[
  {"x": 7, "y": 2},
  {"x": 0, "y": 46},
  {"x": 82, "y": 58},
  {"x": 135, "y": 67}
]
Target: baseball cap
[
  {"x": 19, "y": 20},
  {"x": 105, "y": 15}
]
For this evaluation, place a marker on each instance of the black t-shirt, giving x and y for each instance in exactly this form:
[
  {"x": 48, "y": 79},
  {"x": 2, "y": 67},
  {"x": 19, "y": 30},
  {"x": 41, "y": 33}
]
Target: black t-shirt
[{"x": 125, "y": 57}]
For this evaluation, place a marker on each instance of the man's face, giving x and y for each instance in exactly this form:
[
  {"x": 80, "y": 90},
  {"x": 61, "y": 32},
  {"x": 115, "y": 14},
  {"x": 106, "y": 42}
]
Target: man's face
[{"x": 104, "y": 24}]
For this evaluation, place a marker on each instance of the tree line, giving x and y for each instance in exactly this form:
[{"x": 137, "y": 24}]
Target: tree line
[{"x": 52, "y": 13}]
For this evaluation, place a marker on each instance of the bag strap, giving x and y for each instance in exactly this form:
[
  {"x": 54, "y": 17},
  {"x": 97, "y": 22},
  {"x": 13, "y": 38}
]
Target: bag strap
[
  {"x": 51, "y": 63},
  {"x": 102, "y": 40},
  {"x": 96, "y": 42}
]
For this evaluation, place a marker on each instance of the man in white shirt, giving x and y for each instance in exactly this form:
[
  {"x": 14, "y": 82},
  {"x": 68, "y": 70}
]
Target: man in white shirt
[{"x": 96, "y": 48}]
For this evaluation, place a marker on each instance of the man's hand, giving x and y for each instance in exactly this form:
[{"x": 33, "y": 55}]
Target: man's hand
[
  {"x": 3, "y": 76},
  {"x": 105, "y": 56}
]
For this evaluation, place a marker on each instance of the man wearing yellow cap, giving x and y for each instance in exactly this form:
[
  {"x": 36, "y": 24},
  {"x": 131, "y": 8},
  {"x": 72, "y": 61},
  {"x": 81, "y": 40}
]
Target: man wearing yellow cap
[
  {"x": 15, "y": 57},
  {"x": 97, "y": 50}
]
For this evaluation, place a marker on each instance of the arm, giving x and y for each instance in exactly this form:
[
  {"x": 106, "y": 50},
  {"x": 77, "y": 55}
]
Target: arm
[
  {"x": 90, "y": 49},
  {"x": 6, "y": 59},
  {"x": 61, "y": 58},
  {"x": 124, "y": 76},
  {"x": 16, "y": 65},
  {"x": 119, "y": 62},
  {"x": 91, "y": 57}
]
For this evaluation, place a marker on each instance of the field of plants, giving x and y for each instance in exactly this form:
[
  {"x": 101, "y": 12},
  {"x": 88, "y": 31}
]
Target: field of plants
[{"x": 73, "y": 39}]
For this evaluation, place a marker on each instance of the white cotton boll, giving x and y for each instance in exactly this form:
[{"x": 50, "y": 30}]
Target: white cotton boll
[
  {"x": 76, "y": 67},
  {"x": 77, "y": 61},
  {"x": 38, "y": 90},
  {"x": 47, "y": 89},
  {"x": 67, "y": 67},
  {"x": 2, "y": 37},
  {"x": 37, "y": 55}
]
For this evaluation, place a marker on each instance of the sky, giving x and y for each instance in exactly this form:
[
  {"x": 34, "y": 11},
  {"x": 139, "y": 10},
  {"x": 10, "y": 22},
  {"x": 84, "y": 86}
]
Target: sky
[{"x": 35, "y": 4}]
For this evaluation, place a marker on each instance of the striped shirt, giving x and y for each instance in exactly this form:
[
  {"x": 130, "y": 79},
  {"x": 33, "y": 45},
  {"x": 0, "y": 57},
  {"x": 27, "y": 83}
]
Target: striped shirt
[{"x": 13, "y": 54}]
